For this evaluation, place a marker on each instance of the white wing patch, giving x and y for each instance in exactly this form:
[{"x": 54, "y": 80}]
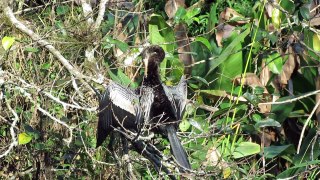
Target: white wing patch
[{"x": 122, "y": 98}]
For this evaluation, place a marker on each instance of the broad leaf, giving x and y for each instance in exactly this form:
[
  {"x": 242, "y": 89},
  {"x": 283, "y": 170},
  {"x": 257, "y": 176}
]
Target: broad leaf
[
  {"x": 229, "y": 50},
  {"x": 246, "y": 149},
  {"x": 24, "y": 138},
  {"x": 7, "y": 42},
  {"x": 273, "y": 151},
  {"x": 275, "y": 63},
  {"x": 267, "y": 123},
  {"x": 184, "y": 125}
]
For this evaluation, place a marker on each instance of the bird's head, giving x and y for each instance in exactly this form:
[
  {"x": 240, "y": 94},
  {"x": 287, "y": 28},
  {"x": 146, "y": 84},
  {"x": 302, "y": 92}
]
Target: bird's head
[{"x": 152, "y": 56}]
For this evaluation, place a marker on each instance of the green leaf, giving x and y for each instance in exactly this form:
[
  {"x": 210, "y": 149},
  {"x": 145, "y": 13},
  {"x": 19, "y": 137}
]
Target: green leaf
[
  {"x": 121, "y": 45},
  {"x": 229, "y": 67},
  {"x": 229, "y": 50},
  {"x": 31, "y": 49},
  {"x": 46, "y": 66},
  {"x": 219, "y": 93},
  {"x": 267, "y": 123},
  {"x": 281, "y": 111},
  {"x": 305, "y": 12},
  {"x": 213, "y": 19},
  {"x": 276, "y": 18},
  {"x": 192, "y": 12},
  {"x": 184, "y": 125},
  {"x": 273, "y": 151},
  {"x": 190, "y": 16},
  {"x": 205, "y": 42},
  {"x": 256, "y": 117},
  {"x": 109, "y": 42},
  {"x": 179, "y": 14},
  {"x": 160, "y": 32},
  {"x": 125, "y": 80},
  {"x": 275, "y": 63},
  {"x": 24, "y": 138},
  {"x": 246, "y": 149},
  {"x": 7, "y": 42},
  {"x": 292, "y": 171},
  {"x": 316, "y": 42},
  {"x": 198, "y": 78},
  {"x": 258, "y": 90},
  {"x": 61, "y": 10}
]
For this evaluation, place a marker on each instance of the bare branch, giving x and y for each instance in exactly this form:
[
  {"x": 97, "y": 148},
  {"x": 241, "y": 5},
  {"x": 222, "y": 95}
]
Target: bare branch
[
  {"x": 44, "y": 43},
  {"x": 102, "y": 9},
  {"x": 12, "y": 133},
  {"x": 87, "y": 10}
]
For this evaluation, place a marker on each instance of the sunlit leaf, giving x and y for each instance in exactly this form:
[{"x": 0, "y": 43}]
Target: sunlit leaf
[
  {"x": 205, "y": 42},
  {"x": 276, "y": 18},
  {"x": 46, "y": 66},
  {"x": 179, "y": 14},
  {"x": 316, "y": 42},
  {"x": 121, "y": 45},
  {"x": 229, "y": 50},
  {"x": 7, "y": 42},
  {"x": 226, "y": 172},
  {"x": 275, "y": 63},
  {"x": 246, "y": 149},
  {"x": 24, "y": 138},
  {"x": 184, "y": 125}
]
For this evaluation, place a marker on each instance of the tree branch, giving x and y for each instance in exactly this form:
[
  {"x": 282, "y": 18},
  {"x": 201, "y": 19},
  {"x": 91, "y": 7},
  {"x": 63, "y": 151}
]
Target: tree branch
[{"x": 9, "y": 14}]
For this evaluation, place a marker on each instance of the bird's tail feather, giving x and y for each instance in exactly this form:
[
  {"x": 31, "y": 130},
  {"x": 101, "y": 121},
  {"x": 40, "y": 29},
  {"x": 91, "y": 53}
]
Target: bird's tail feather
[{"x": 177, "y": 150}]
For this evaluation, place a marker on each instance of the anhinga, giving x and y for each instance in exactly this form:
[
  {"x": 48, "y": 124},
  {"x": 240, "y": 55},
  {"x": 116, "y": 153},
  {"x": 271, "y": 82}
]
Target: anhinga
[
  {"x": 124, "y": 109},
  {"x": 168, "y": 103},
  {"x": 153, "y": 105}
]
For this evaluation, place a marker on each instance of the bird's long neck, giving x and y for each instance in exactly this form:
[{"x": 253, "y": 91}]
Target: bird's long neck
[{"x": 152, "y": 78}]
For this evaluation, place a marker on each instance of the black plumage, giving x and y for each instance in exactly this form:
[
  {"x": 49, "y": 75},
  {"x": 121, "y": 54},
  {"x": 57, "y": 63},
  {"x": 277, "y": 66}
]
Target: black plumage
[
  {"x": 168, "y": 103},
  {"x": 152, "y": 106},
  {"x": 124, "y": 110}
]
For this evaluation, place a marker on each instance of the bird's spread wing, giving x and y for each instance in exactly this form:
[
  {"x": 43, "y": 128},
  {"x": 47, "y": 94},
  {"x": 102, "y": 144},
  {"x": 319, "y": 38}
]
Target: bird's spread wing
[
  {"x": 118, "y": 106},
  {"x": 177, "y": 95}
]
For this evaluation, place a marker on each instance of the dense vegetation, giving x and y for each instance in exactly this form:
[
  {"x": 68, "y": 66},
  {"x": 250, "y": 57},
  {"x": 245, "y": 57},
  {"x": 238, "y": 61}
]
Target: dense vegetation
[{"x": 253, "y": 85}]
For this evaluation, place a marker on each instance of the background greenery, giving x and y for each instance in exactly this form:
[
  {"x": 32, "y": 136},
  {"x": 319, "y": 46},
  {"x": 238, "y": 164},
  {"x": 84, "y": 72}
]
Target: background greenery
[{"x": 244, "y": 54}]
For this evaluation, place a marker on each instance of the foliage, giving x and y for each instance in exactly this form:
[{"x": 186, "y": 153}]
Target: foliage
[{"x": 258, "y": 53}]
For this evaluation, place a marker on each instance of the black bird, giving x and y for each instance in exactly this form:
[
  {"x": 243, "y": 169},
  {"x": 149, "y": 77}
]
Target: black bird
[
  {"x": 124, "y": 110},
  {"x": 168, "y": 103},
  {"x": 152, "y": 105}
]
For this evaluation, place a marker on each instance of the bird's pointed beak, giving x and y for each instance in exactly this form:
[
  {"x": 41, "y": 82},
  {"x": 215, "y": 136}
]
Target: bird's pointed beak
[{"x": 146, "y": 61}]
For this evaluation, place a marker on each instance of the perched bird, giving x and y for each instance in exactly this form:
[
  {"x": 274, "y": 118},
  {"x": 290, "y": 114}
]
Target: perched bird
[
  {"x": 123, "y": 109},
  {"x": 152, "y": 106},
  {"x": 167, "y": 105}
]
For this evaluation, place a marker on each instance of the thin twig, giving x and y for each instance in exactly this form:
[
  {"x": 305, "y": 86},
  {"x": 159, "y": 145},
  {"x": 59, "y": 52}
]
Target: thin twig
[
  {"x": 306, "y": 124},
  {"x": 293, "y": 99},
  {"x": 12, "y": 133}
]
